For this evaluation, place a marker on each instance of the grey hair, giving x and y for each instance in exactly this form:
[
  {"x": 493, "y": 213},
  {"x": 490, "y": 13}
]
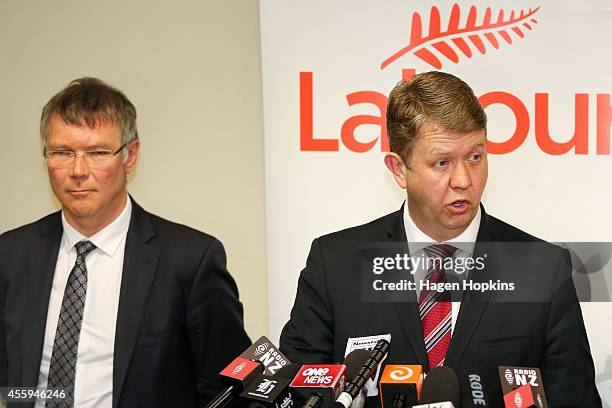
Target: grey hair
[{"x": 92, "y": 102}]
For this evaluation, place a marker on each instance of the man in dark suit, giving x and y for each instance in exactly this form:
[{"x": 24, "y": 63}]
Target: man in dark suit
[
  {"x": 530, "y": 316},
  {"x": 112, "y": 305}
]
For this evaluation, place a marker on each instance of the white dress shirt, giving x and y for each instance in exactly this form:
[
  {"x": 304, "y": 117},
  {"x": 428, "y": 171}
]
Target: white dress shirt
[
  {"x": 94, "y": 367},
  {"x": 418, "y": 240}
]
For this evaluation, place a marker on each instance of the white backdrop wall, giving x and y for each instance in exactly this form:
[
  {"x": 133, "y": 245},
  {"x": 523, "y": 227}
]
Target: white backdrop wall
[{"x": 546, "y": 81}]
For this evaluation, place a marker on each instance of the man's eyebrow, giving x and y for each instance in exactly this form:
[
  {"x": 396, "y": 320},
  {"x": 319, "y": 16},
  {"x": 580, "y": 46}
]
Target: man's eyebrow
[
  {"x": 59, "y": 146},
  {"x": 477, "y": 145},
  {"x": 97, "y": 146},
  {"x": 437, "y": 151}
]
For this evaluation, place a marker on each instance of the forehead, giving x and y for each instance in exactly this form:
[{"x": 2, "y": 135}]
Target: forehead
[
  {"x": 104, "y": 133},
  {"x": 432, "y": 139}
]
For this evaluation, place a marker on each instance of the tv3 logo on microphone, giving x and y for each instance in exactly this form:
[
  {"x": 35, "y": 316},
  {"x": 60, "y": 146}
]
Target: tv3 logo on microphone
[
  {"x": 401, "y": 373},
  {"x": 455, "y": 41}
]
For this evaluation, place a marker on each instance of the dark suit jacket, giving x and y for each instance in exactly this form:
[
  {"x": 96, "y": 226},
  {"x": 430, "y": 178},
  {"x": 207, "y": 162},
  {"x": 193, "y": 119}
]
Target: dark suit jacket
[
  {"x": 548, "y": 333},
  {"x": 179, "y": 320}
]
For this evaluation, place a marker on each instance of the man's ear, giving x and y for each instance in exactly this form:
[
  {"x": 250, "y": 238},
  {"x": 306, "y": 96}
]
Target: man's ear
[
  {"x": 132, "y": 155},
  {"x": 397, "y": 167}
]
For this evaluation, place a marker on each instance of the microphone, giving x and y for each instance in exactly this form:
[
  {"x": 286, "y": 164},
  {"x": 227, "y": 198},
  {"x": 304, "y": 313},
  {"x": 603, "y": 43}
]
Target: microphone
[
  {"x": 237, "y": 375},
  {"x": 357, "y": 381},
  {"x": 319, "y": 385},
  {"x": 354, "y": 361},
  {"x": 271, "y": 391},
  {"x": 473, "y": 390},
  {"x": 264, "y": 351},
  {"x": 440, "y": 386},
  {"x": 261, "y": 356},
  {"x": 522, "y": 387},
  {"x": 400, "y": 385}
]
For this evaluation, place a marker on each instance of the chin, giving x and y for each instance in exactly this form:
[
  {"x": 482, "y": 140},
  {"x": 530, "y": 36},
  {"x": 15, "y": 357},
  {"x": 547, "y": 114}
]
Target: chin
[
  {"x": 461, "y": 222},
  {"x": 81, "y": 209}
]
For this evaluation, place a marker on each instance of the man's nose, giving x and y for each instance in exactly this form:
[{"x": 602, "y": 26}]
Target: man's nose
[
  {"x": 80, "y": 168},
  {"x": 460, "y": 177}
]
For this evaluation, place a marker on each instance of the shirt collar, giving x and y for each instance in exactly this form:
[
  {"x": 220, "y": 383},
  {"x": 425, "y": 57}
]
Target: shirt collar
[
  {"x": 417, "y": 239},
  {"x": 108, "y": 238}
]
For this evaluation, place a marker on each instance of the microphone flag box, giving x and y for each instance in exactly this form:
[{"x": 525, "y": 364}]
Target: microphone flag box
[
  {"x": 268, "y": 391},
  {"x": 401, "y": 379},
  {"x": 326, "y": 380},
  {"x": 520, "y": 397},
  {"x": 241, "y": 370},
  {"x": 522, "y": 386},
  {"x": 264, "y": 351}
]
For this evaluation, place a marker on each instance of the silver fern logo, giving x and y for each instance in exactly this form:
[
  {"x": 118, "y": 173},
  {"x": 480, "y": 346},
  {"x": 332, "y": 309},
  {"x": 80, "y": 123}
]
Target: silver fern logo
[{"x": 461, "y": 38}]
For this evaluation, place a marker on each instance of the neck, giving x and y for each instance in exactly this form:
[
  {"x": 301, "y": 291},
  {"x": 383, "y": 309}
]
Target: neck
[
  {"x": 89, "y": 226},
  {"x": 433, "y": 231}
]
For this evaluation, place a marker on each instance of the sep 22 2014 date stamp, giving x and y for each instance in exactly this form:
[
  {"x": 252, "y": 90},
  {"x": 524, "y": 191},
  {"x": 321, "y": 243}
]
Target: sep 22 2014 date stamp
[{"x": 32, "y": 394}]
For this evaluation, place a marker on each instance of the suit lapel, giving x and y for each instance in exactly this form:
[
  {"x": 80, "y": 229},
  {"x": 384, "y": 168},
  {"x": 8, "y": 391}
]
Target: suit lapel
[
  {"x": 139, "y": 268},
  {"x": 408, "y": 312},
  {"x": 473, "y": 305},
  {"x": 42, "y": 257}
]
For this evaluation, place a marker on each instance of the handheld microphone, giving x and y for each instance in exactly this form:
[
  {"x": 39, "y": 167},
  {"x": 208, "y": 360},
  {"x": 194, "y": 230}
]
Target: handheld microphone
[
  {"x": 440, "y": 386},
  {"x": 236, "y": 375},
  {"x": 271, "y": 391},
  {"x": 356, "y": 382},
  {"x": 400, "y": 385},
  {"x": 522, "y": 387},
  {"x": 319, "y": 385},
  {"x": 354, "y": 361}
]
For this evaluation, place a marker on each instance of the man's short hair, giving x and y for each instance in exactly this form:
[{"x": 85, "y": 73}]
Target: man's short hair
[
  {"x": 433, "y": 98},
  {"x": 90, "y": 101}
]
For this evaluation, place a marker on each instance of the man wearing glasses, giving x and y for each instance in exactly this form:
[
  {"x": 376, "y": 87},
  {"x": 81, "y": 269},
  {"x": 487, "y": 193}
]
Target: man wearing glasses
[{"x": 103, "y": 302}]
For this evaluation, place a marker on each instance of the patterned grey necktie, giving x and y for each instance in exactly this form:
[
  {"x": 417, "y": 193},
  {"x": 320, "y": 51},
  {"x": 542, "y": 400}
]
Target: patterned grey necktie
[{"x": 66, "y": 344}]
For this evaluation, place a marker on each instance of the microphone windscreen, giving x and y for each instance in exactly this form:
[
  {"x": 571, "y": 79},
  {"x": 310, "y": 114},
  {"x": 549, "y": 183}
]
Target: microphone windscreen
[
  {"x": 354, "y": 361},
  {"x": 441, "y": 384}
]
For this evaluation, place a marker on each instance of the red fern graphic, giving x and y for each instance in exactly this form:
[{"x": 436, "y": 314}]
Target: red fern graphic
[{"x": 438, "y": 40}]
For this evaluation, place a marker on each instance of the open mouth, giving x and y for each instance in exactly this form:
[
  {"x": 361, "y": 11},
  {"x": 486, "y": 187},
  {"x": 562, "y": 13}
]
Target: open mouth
[{"x": 458, "y": 206}]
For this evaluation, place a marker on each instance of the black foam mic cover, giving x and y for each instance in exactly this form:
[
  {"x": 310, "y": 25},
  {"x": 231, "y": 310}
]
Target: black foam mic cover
[{"x": 441, "y": 384}]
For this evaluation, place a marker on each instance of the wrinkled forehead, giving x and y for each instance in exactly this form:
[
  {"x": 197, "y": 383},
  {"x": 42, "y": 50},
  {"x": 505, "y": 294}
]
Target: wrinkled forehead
[
  {"x": 435, "y": 139},
  {"x": 429, "y": 127},
  {"x": 99, "y": 131},
  {"x": 92, "y": 120}
]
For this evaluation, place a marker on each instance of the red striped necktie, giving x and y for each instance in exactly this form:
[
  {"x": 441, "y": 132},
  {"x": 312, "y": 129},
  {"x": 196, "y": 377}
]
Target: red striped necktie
[{"x": 435, "y": 307}]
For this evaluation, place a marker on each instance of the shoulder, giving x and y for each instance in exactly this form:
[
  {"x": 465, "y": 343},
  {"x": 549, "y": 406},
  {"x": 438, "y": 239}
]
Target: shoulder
[
  {"x": 26, "y": 232},
  {"x": 495, "y": 230},
  {"x": 507, "y": 231},
  {"x": 378, "y": 229},
  {"x": 503, "y": 231},
  {"x": 174, "y": 236}
]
